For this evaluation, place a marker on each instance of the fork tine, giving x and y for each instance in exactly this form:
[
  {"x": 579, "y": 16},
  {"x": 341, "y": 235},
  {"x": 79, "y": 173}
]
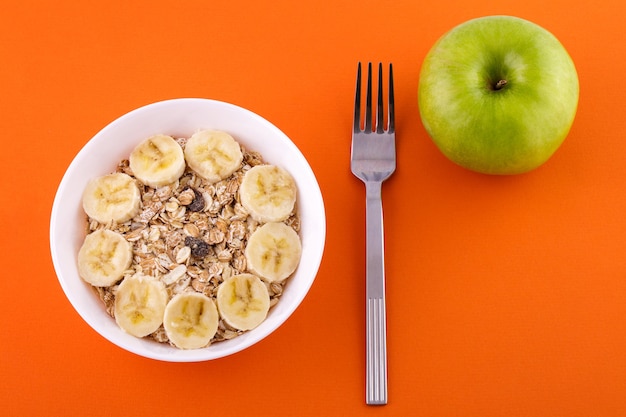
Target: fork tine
[
  {"x": 391, "y": 107},
  {"x": 357, "y": 101},
  {"x": 379, "y": 106},
  {"x": 368, "y": 104}
]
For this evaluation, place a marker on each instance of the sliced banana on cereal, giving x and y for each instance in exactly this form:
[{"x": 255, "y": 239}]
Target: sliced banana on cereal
[
  {"x": 268, "y": 193},
  {"x": 273, "y": 251},
  {"x": 213, "y": 154},
  {"x": 190, "y": 320},
  {"x": 157, "y": 161},
  {"x": 112, "y": 198},
  {"x": 243, "y": 301},
  {"x": 103, "y": 257},
  {"x": 140, "y": 303}
]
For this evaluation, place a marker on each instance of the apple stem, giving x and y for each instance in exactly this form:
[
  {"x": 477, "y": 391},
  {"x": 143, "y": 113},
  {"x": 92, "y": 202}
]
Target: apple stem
[{"x": 500, "y": 84}]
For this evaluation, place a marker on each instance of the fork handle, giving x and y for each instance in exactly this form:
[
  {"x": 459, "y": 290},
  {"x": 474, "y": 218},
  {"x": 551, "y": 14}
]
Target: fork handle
[{"x": 376, "y": 333}]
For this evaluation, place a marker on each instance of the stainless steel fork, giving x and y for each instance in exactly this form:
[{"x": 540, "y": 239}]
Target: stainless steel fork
[{"x": 373, "y": 161}]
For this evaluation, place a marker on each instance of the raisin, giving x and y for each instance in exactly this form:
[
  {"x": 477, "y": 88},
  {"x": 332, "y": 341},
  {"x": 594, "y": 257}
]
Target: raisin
[
  {"x": 198, "y": 201},
  {"x": 199, "y": 248}
]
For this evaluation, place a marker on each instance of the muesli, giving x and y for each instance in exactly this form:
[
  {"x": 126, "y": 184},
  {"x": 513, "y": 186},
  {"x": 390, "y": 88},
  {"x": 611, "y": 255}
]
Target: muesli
[{"x": 191, "y": 279}]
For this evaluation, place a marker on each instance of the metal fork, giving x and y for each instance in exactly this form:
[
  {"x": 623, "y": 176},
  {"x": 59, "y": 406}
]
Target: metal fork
[{"x": 373, "y": 161}]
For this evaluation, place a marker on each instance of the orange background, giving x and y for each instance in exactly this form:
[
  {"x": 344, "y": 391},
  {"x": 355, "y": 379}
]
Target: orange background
[{"x": 506, "y": 295}]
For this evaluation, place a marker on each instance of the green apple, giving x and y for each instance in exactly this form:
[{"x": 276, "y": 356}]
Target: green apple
[{"x": 498, "y": 94}]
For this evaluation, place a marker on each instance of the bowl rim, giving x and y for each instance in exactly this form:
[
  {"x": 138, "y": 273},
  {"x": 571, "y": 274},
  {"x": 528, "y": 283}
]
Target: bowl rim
[{"x": 313, "y": 248}]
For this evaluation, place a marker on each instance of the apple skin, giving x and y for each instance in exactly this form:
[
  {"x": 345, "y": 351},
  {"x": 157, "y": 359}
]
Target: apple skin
[{"x": 493, "y": 128}]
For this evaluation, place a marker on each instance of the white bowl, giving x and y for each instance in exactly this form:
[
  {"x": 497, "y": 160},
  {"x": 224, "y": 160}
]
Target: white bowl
[{"x": 181, "y": 117}]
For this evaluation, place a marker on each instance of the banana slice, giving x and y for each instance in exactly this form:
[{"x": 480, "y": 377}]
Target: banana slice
[
  {"x": 213, "y": 154},
  {"x": 112, "y": 198},
  {"x": 103, "y": 257},
  {"x": 273, "y": 251},
  {"x": 243, "y": 301},
  {"x": 157, "y": 161},
  {"x": 268, "y": 193},
  {"x": 190, "y": 320},
  {"x": 139, "y": 305}
]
